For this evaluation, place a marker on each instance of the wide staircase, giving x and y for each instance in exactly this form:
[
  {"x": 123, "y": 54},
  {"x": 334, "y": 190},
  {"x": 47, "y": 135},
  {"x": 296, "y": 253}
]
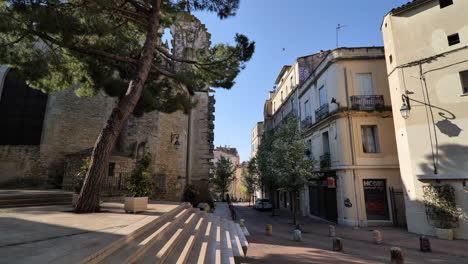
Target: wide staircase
[
  {"x": 22, "y": 198},
  {"x": 183, "y": 235}
]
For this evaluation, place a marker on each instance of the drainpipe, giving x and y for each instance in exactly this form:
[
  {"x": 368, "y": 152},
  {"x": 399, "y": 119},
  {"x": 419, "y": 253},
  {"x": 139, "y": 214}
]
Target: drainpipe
[{"x": 351, "y": 142}]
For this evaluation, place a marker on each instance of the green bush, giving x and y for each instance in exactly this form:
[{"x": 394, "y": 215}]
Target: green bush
[
  {"x": 441, "y": 208},
  {"x": 140, "y": 183}
]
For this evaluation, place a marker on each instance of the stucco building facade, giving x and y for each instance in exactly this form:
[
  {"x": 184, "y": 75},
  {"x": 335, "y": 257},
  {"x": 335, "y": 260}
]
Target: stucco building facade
[
  {"x": 426, "y": 44},
  {"x": 342, "y": 101}
]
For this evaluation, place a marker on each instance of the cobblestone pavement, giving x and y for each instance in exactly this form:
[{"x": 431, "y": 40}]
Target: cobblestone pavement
[{"x": 357, "y": 243}]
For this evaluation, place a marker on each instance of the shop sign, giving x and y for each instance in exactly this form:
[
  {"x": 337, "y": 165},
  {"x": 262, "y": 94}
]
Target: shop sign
[
  {"x": 331, "y": 182},
  {"x": 375, "y": 196}
]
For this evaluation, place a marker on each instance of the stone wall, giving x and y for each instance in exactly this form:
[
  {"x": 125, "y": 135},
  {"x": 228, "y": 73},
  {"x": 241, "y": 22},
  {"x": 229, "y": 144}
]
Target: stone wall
[
  {"x": 171, "y": 160},
  {"x": 201, "y": 141},
  {"x": 71, "y": 124},
  {"x": 21, "y": 166}
]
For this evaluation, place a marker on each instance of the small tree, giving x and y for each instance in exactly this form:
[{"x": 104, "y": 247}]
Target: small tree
[
  {"x": 140, "y": 180},
  {"x": 223, "y": 176},
  {"x": 292, "y": 167},
  {"x": 264, "y": 166},
  {"x": 249, "y": 179}
]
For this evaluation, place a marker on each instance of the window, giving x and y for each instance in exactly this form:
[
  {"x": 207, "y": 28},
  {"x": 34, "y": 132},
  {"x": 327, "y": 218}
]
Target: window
[
  {"x": 307, "y": 109},
  {"x": 322, "y": 96},
  {"x": 292, "y": 104},
  {"x": 291, "y": 82},
  {"x": 281, "y": 96},
  {"x": 445, "y": 3},
  {"x": 370, "y": 140},
  {"x": 111, "y": 171},
  {"x": 365, "y": 84},
  {"x": 453, "y": 39},
  {"x": 390, "y": 58},
  {"x": 464, "y": 81}
]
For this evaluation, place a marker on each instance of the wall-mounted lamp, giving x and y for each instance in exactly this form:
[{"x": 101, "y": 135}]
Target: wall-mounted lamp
[
  {"x": 406, "y": 107},
  {"x": 175, "y": 140},
  {"x": 333, "y": 101}
]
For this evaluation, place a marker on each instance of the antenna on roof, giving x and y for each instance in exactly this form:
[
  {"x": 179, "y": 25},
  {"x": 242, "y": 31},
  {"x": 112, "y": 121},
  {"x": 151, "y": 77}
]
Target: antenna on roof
[{"x": 338, "y": 27}]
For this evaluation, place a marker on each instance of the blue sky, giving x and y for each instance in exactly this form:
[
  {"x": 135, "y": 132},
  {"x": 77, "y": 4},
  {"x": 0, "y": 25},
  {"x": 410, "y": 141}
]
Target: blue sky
[{"x": 300, "y": 27}]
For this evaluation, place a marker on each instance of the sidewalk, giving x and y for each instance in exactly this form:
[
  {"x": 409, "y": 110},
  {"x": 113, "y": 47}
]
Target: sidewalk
[
  {"x": 53, "y": 234},
  {"x": 391, "y": 236},
  {"x": 358, "y": 243}
]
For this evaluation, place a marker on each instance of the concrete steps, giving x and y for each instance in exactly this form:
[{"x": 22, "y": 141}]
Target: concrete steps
[
  {"x": 38, "y": 199},
  {"x": 183, "y": 235}
]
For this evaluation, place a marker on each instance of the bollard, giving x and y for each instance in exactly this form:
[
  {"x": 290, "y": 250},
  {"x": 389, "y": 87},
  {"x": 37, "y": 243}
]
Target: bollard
[
  {"x": 424, "y": 244},
  {"x": 377, "y": 237},
  {"x": 242, "y": 223},
  {"x": 269, "y": 230},
  {"x": 331, "y": 231},
  {"x": 337, "y": 244},
  {"x": 396, "y": 256},
  {"x": 297, "y": 235}
]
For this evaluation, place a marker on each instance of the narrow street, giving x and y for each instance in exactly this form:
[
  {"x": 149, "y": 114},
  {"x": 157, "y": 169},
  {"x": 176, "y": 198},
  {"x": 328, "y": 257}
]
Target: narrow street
[{"x": 316, "y": 245}]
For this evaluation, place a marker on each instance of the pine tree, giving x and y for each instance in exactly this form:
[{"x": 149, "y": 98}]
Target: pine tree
[
  {"x": 115, "y": 45},
  {"x": 223, "y": 176}
]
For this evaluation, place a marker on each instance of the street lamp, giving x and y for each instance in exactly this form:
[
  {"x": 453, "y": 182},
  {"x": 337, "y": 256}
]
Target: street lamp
[{"x": 406, "y": 107}]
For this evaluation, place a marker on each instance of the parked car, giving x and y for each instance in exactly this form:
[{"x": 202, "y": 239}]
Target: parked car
[{"x": 263, "y": 204}]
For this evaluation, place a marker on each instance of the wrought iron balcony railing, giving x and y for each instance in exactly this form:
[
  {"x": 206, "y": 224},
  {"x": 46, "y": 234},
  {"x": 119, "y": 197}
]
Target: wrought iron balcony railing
[
  {"x": 321, "y": 112},
  {"x": 367, "y": 102},
  {"x": 325, "y": 161},
  {"x": 306, "y": 122}
]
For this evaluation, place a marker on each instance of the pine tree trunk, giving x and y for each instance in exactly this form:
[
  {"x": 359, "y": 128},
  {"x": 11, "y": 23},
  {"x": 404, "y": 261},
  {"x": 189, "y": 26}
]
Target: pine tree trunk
[{"x": 88, "y": 200}]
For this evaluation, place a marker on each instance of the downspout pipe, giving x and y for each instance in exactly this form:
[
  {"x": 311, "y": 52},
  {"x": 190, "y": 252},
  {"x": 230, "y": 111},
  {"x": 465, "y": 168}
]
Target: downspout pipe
[{"x": 351, "y": 142}]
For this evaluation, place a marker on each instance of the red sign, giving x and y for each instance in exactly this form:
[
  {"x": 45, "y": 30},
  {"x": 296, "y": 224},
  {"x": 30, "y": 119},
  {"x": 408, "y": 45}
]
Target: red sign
[{"x": 331, "y": 182}]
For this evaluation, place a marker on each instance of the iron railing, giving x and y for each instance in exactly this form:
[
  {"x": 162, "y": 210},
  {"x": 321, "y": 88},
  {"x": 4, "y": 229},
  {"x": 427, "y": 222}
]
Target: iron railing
[
  {"x": 115, "y": 185},
  {"x": 367, "y": 102},
  {"x": 325, "y": 161},
  {"x": 306, "y": 122},
  {"x": 321, "y": 112}
]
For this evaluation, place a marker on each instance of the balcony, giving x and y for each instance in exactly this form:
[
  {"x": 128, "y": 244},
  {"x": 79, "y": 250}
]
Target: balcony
[
  {"x": 325, "y": 161},
  {"x": 321, "y": 112},
  {"x": 367, "y": 102},
  {"x": 306, "y": 122},
  {"x": 291, "y": 114}
]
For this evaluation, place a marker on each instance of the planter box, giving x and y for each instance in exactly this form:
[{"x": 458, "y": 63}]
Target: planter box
[
  {"x": 446, "y": 234},
  {"x": 135, "y": 204}
]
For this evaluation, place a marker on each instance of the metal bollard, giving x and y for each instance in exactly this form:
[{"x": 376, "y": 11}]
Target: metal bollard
[
  {"x": 269, "y": 230},
  {"x": 377, "y": 237},
  {"x": 396, "y": 256},
  {"x": 424, "y": 244},
  {"x": 242, "y": 223},
  {"x": 331, "y": 231},
  {"x": 337, "y": 244},
  {"x": 297, "y": 235}
]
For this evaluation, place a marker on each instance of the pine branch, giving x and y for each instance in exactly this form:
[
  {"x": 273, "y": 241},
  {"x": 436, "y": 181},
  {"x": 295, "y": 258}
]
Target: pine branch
[
  {"x": 139, "y": 7},
  {"x": 14, "y": 42},
  {"x": 172, "y": 57}
]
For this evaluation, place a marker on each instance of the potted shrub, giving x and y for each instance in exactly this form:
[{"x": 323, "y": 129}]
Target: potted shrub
[
  {"x": 139, "y": 187},
  {"x": 79, "y": 180},
  {"x": 441, "y": 209}
]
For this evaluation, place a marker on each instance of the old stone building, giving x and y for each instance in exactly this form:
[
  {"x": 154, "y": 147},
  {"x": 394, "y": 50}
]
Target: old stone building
[{"x": 44, "y": 138}]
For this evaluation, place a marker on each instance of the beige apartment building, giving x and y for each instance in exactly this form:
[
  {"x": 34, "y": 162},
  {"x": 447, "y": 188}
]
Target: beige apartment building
[
  {"x": 345, "y": 112},
  {"x": 256, "y": 138},
  {"x": 426, "y": 44}
]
